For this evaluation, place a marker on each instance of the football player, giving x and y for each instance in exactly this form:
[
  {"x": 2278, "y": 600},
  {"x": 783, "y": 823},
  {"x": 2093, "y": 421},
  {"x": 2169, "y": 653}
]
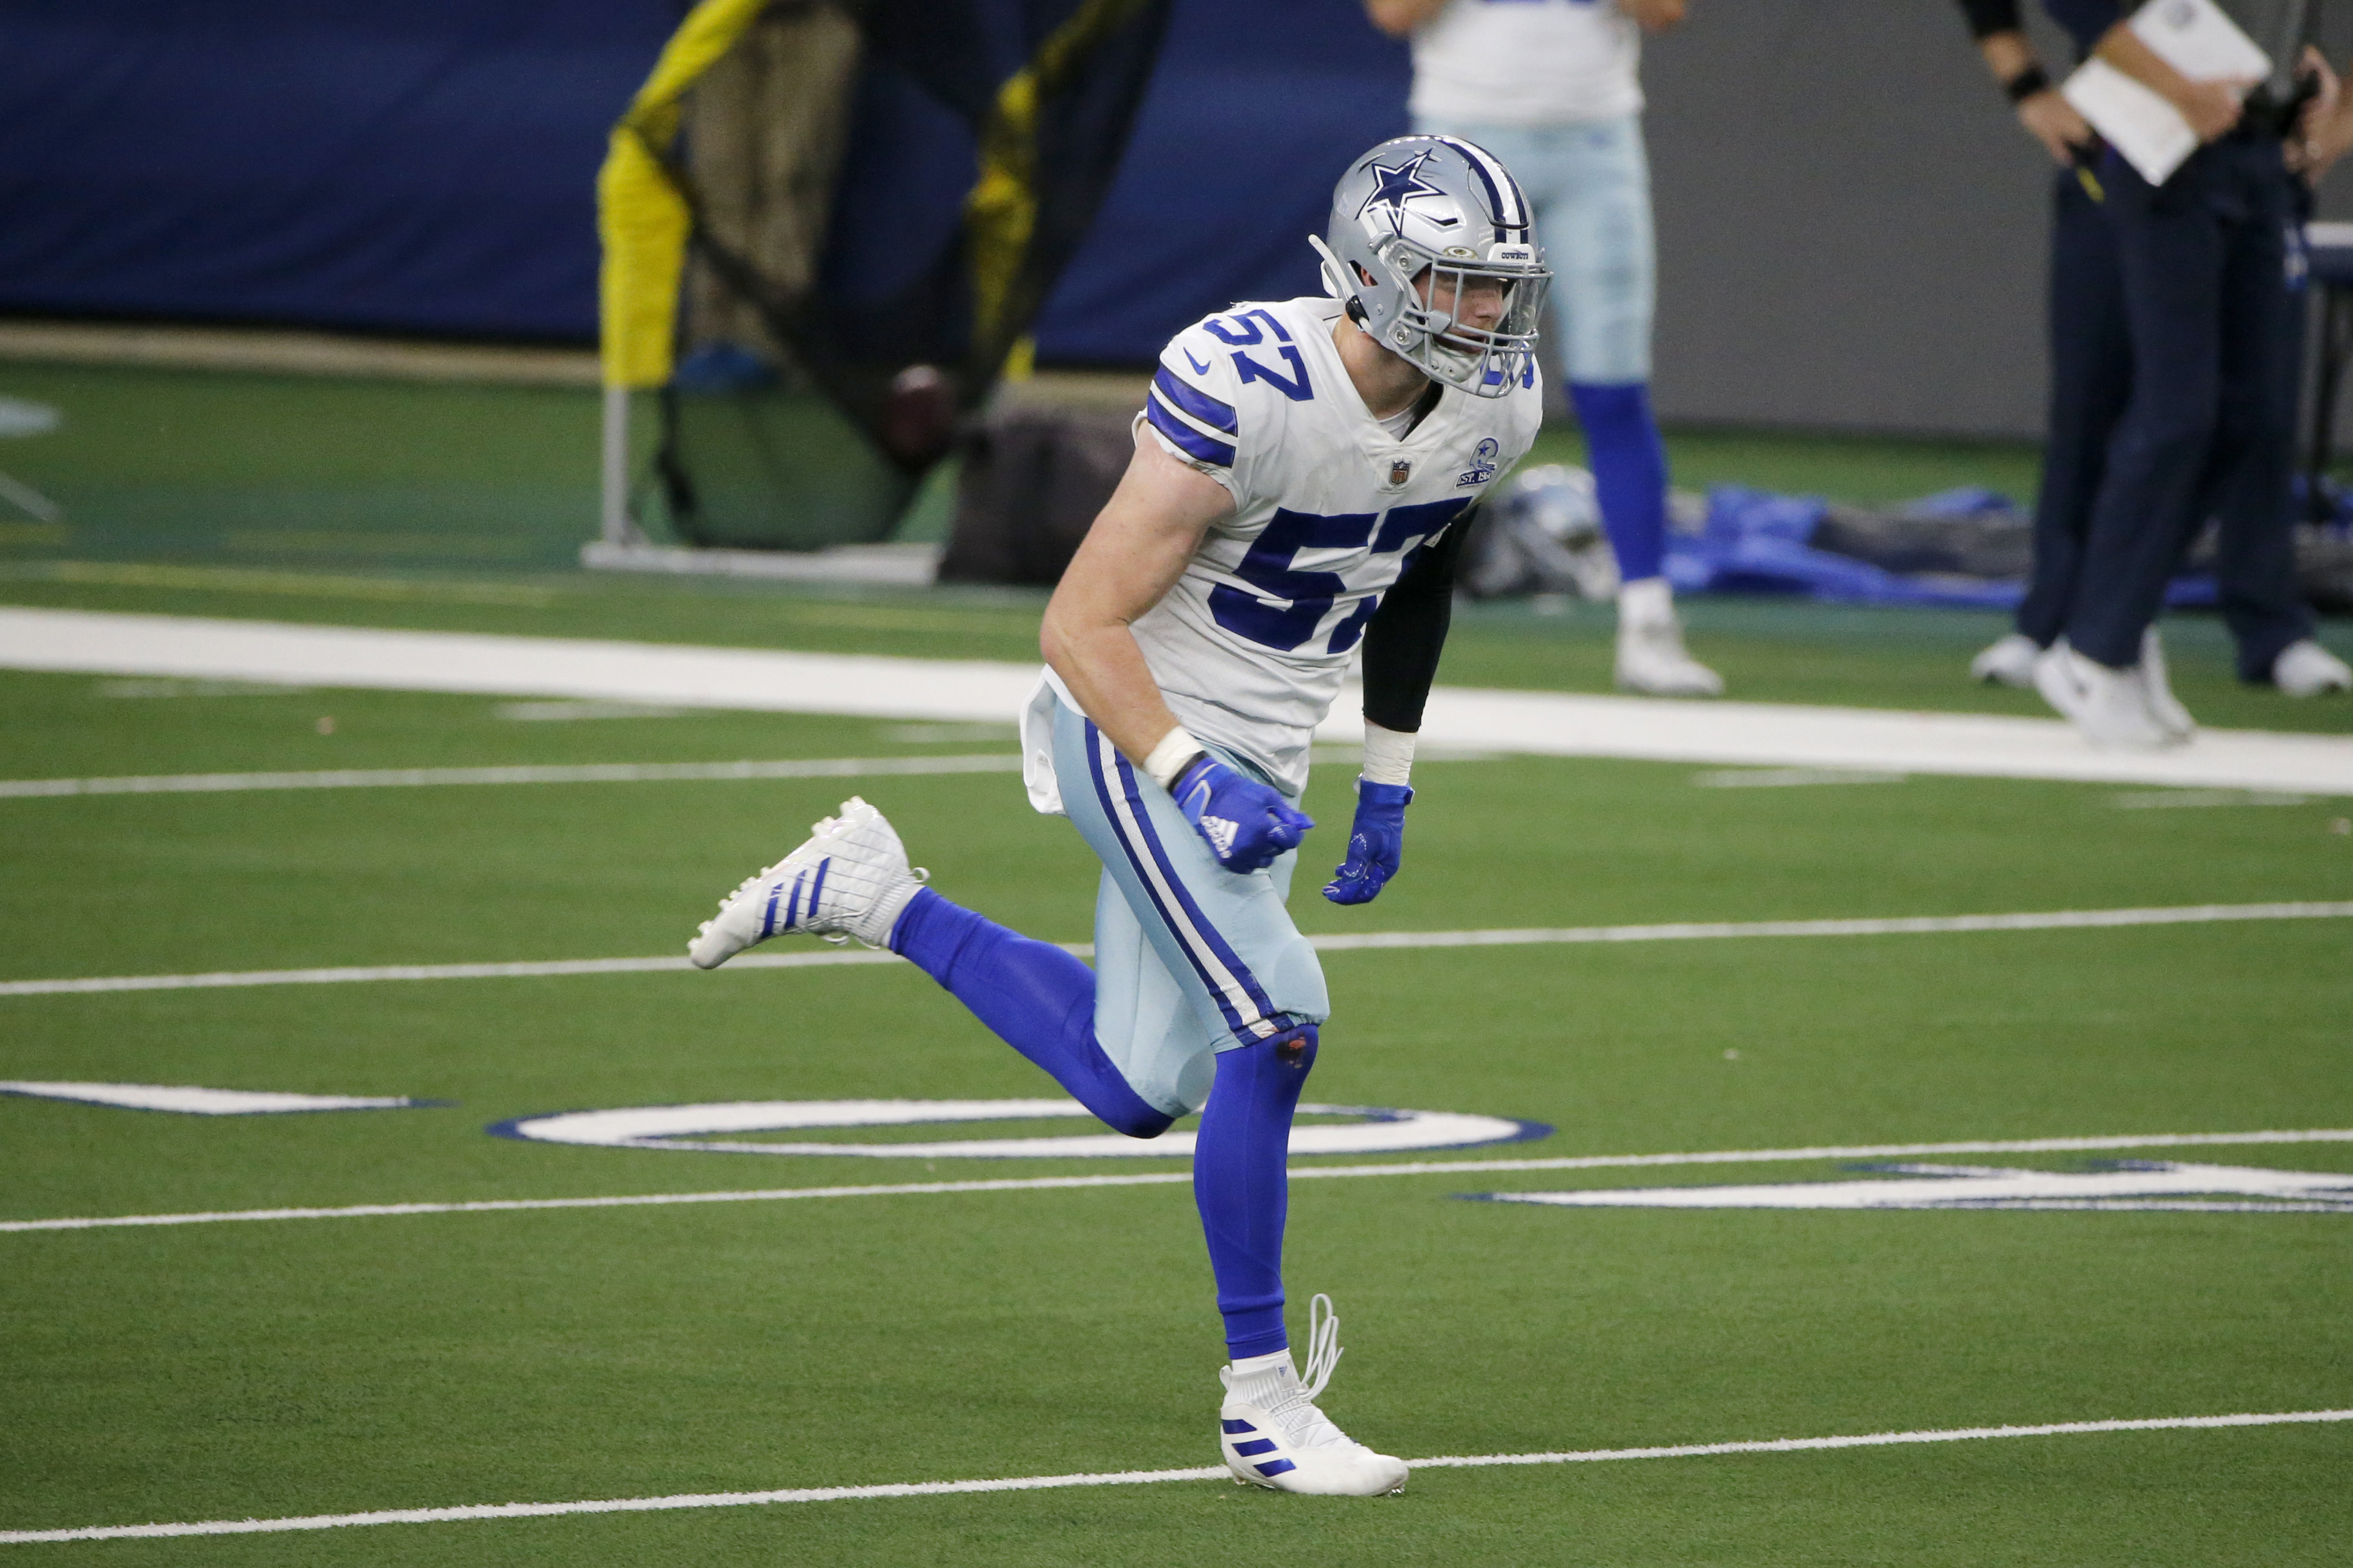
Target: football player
[
  {"x": 1553, "y": 86},
  {"x": 1299, "y": 470}
]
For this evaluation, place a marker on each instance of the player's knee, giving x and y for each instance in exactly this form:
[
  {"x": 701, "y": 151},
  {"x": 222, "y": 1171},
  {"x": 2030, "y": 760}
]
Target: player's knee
[
  {"x": 1141, "y": 1121},
  {"x": 1295, "y": 1046}
]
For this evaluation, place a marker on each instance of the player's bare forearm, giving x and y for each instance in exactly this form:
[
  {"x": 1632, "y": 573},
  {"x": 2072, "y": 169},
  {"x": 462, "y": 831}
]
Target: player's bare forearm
[
  {"x": 1398, "y": 17},
  {"x": 1132, "y": 556}
]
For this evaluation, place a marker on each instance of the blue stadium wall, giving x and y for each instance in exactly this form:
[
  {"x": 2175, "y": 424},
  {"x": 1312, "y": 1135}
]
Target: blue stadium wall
[{"x": 426, "y": 167}]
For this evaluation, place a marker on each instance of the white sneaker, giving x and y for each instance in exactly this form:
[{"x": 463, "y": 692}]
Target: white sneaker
[
  {"x": 1272, "y": 1435},
  {"x": 1650, "y": 655},
  {"x": 2158, "y": 692},
  {"x": 851, "y": 879},
  {"x": 2305, "y": 668},
  {"x": 2109, "y": 706},
  {"x": 2010, "y": 660}
]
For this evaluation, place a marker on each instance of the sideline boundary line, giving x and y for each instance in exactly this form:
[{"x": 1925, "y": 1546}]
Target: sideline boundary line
[
  {"x": 1163, "y": 1178},
  {"x": 1334, "y": 942},
  {"x": 1530, "y": 722},
  {"x": 1139, "y": 1478}
]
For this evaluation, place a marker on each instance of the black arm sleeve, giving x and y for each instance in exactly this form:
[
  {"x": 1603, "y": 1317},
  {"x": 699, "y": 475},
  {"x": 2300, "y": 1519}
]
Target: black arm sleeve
[
  {"x": 1409, "y": 631},
  {"x": 1990, "y": 16}
]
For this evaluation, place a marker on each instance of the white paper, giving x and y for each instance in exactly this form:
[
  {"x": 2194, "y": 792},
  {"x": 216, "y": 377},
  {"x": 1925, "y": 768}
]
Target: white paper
[{"x": 2195, "y": 38}]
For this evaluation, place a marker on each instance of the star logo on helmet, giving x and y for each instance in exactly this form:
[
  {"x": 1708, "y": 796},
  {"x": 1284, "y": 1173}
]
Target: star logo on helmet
[{"x": 1393, "y": 188}]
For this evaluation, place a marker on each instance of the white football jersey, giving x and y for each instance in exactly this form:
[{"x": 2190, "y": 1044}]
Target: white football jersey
[
  {"x": 1253, "y": 644},
  {"x": 1527, "y": 62}
]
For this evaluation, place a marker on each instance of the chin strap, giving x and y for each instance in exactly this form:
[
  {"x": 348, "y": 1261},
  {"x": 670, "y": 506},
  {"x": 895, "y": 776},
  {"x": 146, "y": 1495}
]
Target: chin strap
[{"x": 1322, "y": 1345}]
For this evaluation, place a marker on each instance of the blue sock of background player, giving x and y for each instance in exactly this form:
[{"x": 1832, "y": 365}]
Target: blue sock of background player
[
  {"x": 1629, "y": 471},
  {"x": 1041, "y": 1001}
]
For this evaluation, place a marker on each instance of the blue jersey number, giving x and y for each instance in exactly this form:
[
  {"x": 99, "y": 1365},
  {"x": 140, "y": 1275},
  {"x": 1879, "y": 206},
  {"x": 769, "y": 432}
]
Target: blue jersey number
[
  {"x": 1243, "y": 333},
  {"x": 1267, "y": 567},
  {"x": 1296, "y": 388}
]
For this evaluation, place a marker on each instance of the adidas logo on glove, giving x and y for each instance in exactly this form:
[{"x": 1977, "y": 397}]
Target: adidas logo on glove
[{"x": 1245, "y": 823}]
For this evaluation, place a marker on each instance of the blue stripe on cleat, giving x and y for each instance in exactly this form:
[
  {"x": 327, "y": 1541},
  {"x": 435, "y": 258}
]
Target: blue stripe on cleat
[
  {"x": 1237, "y": 1426},
  {"x": 1259, "y": 1446},
  {"x": 817, "y": 888},
  {"x": 1275, "y": 1467},
  {"x": 768, "y": 920}
]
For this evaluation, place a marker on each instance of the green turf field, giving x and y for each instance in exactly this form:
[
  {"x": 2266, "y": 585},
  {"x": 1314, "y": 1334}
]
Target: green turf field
[
  {"x": 298, "y": 1367},
  {"x": 308, "y": 1367}
]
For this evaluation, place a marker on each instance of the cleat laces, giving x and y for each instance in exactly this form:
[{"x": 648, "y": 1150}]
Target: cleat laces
[{"x": 1295, "y": 1412}]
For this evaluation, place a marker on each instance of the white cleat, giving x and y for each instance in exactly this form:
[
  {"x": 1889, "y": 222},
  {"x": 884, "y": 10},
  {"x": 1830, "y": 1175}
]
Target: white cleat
[
  {"x": 2109, "y": 706},
  {"x": 1651, "y": 659},
  {"x": 2305, "y": 668},
  {"x": 2158, "y": 692},
  {"x": 851, "y": 879},
  {"x": 2009, "y": 660},
  {"x": 1272, "y": 1435}
]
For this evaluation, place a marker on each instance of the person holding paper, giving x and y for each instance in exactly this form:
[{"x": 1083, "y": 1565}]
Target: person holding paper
[
  {"x": 2090, "y": 370},
  {"x": 2203, "y": 262},
  {"x": 2091, "y": 355}
]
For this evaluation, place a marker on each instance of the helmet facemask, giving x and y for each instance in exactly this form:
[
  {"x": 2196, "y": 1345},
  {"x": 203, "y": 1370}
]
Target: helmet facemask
[{"x": 1412, "y": 251}]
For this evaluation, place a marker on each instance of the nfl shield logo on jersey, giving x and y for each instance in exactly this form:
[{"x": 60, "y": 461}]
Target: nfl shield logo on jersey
[{"x": 1399, "y": 472}]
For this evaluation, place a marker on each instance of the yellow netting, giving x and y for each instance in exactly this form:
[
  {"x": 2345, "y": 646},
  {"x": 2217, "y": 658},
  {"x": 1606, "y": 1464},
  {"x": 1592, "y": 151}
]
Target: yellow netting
[
  {"x": 640, "y": 216},
  {"x": 1001, "y": 213}
]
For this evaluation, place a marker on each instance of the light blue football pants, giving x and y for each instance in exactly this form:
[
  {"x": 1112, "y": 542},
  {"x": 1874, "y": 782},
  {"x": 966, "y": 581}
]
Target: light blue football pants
[
  {"x": 1190, "y": 958},
  {"x": 1589, "y": 182}
]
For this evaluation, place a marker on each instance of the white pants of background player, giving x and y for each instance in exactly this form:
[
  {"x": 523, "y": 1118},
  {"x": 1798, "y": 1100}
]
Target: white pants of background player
[{"x": 1589, "y": 183}]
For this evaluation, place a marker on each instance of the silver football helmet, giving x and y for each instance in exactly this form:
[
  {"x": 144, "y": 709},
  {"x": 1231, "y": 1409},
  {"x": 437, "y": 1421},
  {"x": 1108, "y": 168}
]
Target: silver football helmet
[{"x": 1420, "y": 226}]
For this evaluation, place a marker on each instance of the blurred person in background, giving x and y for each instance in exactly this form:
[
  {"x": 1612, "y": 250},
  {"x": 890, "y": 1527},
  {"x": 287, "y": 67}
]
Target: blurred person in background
[
  {"x": 1551, "y": 87},
  {"x": 2176, "y": 334}
]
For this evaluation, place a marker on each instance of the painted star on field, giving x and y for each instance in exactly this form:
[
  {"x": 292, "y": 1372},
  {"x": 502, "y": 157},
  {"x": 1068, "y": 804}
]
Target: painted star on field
[{"x": 1393, "y": 188}]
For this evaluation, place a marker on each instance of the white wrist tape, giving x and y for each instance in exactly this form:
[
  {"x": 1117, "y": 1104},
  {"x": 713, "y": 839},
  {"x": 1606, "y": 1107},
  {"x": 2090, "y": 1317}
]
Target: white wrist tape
[
  {"x": 1176, "y": 749},
  {"x": 1389, "y": 754}
]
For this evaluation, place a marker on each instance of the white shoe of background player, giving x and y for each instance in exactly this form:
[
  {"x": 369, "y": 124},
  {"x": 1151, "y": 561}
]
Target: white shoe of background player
[
  {"x": 2110, "y": 706},
  {"x": 2158, "y": 692},
  {"x": 851, "y": 879},
  {"x": 2305, "y": 668},
  {"x": 2010, "y": 660},
  {"x": 1650, "y": 655},
  {"x": 1272, "y": 1435}
]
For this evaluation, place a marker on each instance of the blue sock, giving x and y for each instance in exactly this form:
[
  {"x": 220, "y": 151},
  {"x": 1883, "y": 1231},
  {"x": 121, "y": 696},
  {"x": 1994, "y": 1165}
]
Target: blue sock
[
  {"x": 1240, "y": 1184},
  {"x": 1039, "y": 1000},
  {"x": 1629, "y": 471}
]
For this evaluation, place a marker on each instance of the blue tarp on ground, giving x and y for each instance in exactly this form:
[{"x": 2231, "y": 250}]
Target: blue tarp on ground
[
  {"x": 1756, "y": 541},
  {"x": 429, "y": 167}
]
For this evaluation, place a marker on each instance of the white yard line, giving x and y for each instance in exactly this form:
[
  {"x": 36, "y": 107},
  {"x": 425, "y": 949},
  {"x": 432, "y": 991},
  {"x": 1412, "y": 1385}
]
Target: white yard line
[
  {"x": 1690, "y": 931},
  {"x": 581, "y": 772},
  {"x": 588, "y": 772},
  {"x": 1740, "y": 734},
  {"x": 1165, "y": 1178},
  {"x": 1142, "y": 1478}
]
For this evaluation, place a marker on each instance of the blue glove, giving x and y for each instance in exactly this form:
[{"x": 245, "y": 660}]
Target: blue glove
[
  {"x": 1374, "y": 843},
  {"x": 1246, "y": 822}
]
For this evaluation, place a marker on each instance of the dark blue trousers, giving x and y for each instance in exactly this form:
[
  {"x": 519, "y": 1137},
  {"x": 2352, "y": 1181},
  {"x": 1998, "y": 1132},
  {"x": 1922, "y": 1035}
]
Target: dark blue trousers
[
  {"x": 2207, "y": 425},
  {"x": 2091, "y": 375}
]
